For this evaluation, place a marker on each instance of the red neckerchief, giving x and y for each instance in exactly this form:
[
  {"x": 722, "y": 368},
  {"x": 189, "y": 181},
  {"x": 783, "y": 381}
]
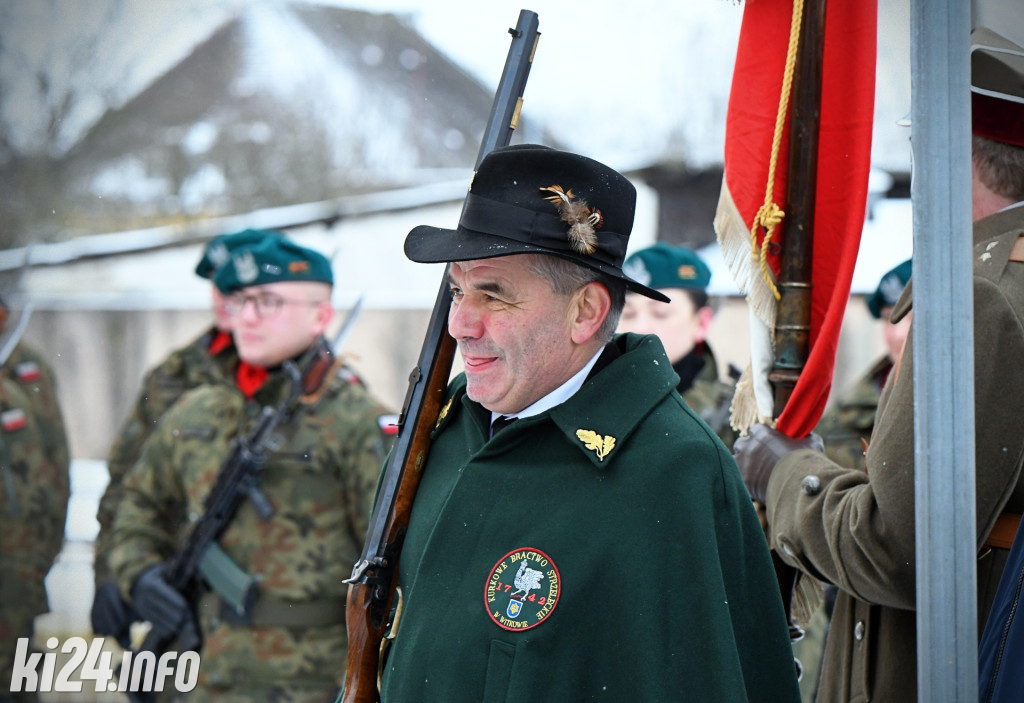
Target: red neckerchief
[
  {"x": 249, "y": 378},
  {"x": 220, "y": 342}
]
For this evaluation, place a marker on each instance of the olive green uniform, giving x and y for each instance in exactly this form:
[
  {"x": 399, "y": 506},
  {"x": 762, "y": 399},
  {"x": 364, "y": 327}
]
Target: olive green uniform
[
  {"x": 605, "y": 549},
  {"x": 34, "y": 490},
  {"x": 708, "y": 395},
  {"x": 858, "y": 530},
  {"x": 846, "y": 428},
  {"x": 185, "y": 368},
  {"x": 320, "y": 483}
]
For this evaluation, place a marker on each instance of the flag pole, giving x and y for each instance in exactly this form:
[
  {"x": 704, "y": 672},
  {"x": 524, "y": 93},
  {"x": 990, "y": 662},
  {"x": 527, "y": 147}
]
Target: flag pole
[{"x": 793, "y": 319}]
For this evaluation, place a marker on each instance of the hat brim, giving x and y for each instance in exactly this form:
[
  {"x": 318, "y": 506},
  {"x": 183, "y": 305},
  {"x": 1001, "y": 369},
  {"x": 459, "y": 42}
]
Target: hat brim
[{"x": 435, "y": 245}]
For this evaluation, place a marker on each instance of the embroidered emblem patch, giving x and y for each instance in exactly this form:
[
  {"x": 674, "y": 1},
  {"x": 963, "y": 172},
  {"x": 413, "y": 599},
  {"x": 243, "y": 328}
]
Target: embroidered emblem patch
[
  {"x": 600, "y": 444},
  {"x": 522, "y": 589}
]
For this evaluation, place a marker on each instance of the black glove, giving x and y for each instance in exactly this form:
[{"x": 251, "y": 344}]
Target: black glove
[
  {"x": 757, "y": 453},
  {"x": 110, "y": 615},
  {"x": 166, "y": 609}
]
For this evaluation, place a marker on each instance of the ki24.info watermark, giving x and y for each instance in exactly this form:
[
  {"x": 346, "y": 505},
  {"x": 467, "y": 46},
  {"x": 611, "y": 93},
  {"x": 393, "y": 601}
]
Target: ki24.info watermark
[{"x": 137, "y": 672}]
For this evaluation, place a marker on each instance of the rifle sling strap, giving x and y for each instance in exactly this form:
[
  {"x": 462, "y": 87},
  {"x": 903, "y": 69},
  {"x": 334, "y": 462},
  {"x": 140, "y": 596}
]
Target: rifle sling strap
[
  {"x": 313, "y": 397},
  {"x": 271, "y": 612},
  {"x": 1001, "y": 536}
]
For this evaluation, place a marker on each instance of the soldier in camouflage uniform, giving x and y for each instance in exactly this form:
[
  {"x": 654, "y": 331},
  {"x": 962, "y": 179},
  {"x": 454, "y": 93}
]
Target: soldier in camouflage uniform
[
  {"x": 682, "y": 326},
  {"x": 34, "y": 492},
  {"x": 846, "y": 428},
  {"x": 291, "y": 646},
  {"x": 210, "y": 358}
]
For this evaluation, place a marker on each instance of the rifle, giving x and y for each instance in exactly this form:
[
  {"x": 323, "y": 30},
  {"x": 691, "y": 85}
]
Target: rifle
[
  {"x": 237, "y": 481},
  {"x": 374, "y": 581}
]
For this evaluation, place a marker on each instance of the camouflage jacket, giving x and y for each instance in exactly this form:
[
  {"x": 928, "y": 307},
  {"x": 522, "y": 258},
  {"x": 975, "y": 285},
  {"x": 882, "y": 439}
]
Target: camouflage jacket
[
  {"x": 26, "y": 367},
  {"x": 709, "y": 396},
  {"x": 33, "y": 506},
  {"x": 320, "y": 482},
  {"x": 184, "y": 369},
  {"x": 847, "y": 426}
]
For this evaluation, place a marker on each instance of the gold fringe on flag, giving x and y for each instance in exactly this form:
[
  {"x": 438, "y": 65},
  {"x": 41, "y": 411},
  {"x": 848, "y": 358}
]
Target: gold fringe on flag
[{"x": 746, "y": 259}]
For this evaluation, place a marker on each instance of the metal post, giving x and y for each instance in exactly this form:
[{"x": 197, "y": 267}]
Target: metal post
[{"x": 943, "y": 332}]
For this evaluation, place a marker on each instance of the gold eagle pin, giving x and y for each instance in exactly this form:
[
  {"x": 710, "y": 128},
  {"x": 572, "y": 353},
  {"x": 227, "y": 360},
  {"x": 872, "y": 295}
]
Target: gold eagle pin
[{"x": 602, "y": 445}]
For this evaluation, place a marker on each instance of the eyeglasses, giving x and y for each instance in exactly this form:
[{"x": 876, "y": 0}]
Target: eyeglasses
[{"x": 265, "y": 304}]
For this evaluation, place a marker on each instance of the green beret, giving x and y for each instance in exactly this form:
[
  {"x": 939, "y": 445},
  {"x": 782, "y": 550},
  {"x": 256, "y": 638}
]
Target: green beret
[
  {"x": 889, "y": 289},
  {"x": 668, "y": 266},
  {"x": 220, "y": 248},
  {"x": 273, "y": 260}
]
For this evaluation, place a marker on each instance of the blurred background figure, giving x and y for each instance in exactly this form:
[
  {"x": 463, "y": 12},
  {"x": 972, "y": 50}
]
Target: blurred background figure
[
  {"x": 846, "y": 428},
  {"x": 291, "y": 547},
  {"x": 34, "y": 491},
  {"x": 682, "y": 325},
  {"x": 210, "y": 358}
]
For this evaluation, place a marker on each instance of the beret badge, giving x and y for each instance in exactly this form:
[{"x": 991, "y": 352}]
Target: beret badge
[{"x": 245, "y": 267}]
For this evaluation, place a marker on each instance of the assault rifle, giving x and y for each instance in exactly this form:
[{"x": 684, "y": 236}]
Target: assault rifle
[
  {"x": 188, "y": 570},
  {"x": 374, "y": 581}
]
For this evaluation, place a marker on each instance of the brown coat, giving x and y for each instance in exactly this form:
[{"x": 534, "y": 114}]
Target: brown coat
[{"x": 858, "y": 531}]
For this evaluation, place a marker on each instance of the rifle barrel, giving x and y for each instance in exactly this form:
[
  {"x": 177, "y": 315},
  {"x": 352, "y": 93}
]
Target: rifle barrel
[{"x": 375, "y": 576}]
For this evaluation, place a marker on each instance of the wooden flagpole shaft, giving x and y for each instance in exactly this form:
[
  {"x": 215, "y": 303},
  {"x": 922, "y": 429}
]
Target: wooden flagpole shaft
[{"x": 793, "y": 319}]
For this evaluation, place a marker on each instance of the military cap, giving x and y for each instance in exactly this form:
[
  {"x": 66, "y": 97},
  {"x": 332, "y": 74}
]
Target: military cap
[
  {"x": 273, "y": 260},
  {"x": 220, "y": 248},
  {"x": 889, "y": 289},
  {"x": 997, "y": 87},
  {"x": 528, "y": 199},
  {"x": 668, "y": 266}
]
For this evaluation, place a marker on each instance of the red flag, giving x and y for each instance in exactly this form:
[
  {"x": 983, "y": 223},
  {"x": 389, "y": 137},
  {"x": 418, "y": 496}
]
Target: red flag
[{"x": 844, "y": 151}]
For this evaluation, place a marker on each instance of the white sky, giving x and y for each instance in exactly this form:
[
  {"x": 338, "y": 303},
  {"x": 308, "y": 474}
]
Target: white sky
[{"x": 605, "y": 79}]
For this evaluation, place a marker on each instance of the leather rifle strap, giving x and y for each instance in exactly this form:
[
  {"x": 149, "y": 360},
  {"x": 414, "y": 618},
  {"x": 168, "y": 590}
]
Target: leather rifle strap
[{"x": 1001, "y": 536}]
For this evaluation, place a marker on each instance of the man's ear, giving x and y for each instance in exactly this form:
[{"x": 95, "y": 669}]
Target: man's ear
[
  {"x": 589, "y": 308},
  {"x": 324, "y": 315},
  {"x": 704, "y": 317}
]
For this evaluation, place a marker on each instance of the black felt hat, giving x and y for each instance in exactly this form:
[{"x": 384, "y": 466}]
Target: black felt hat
[{"x": 531, "y": 199}]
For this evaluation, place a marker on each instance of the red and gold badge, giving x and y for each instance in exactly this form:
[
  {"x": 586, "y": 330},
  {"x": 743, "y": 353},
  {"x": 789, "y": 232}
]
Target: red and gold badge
[{"x": 522, "y": 589}]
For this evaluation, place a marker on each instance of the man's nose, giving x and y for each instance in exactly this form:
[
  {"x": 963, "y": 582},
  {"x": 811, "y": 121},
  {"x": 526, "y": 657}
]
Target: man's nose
[
  {"x": 464, "y": 321},
  {"x": 248, "y": 311}
]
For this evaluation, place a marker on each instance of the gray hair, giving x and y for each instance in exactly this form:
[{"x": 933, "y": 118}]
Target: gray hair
[
  {"x": 566, "y": 277},
  {"x": 1000, "y": 167}
]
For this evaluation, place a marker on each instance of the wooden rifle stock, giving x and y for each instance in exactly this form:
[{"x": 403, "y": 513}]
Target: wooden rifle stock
[{"x": 374, "y": 580}]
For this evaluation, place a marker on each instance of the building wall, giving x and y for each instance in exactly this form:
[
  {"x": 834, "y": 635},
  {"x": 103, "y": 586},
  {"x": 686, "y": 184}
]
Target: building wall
[{"x": 100, "y": 356}]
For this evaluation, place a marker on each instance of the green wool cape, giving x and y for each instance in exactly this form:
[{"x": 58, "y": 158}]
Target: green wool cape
[{"x": 605, "y": 549}]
